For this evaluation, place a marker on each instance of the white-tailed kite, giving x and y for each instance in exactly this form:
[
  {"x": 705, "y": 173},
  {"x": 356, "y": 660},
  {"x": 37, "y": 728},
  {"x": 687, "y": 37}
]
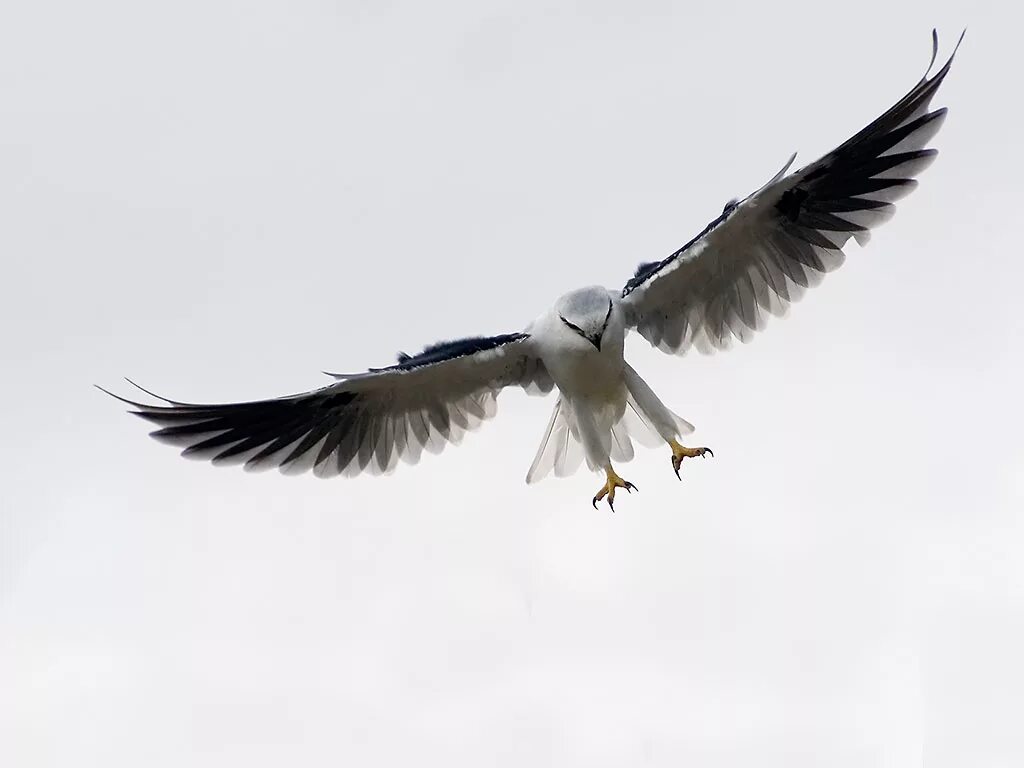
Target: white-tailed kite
[{"x": 753, "y": 260}]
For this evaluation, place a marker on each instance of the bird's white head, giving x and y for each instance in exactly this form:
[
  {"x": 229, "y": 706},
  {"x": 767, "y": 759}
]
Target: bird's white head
[{"x": 586, "y": 312}]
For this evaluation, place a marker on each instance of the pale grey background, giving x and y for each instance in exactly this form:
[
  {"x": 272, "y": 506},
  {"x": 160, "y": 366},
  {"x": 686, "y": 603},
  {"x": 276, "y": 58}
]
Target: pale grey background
[{"x": 221, "y": 199}]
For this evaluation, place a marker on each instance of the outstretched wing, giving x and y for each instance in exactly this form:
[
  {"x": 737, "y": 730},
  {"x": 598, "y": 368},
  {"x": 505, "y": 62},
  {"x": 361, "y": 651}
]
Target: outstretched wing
[
  {"x": 762, "y": 252},
  {"x": 364, "y": 422}
]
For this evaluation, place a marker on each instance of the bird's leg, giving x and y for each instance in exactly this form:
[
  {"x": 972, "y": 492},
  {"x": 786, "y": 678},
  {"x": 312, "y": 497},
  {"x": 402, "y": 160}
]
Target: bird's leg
[
  {"x": 680, "y": 452},
  {"x": 608, "y": 489}
]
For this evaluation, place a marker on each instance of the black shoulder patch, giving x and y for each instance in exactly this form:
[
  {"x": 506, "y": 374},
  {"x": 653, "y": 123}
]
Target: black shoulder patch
[
  {"x": 650, "y": 268},
  {"x": 448, "y": 350},
  {"x": 645, "y": 268}
]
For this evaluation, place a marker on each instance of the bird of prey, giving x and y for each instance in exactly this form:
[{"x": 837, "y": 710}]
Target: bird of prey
[{"x": 757, "y": 257}]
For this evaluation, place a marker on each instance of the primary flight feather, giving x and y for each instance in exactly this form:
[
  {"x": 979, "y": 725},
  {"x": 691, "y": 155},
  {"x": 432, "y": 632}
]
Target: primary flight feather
[{"x": 752, "y": 261}]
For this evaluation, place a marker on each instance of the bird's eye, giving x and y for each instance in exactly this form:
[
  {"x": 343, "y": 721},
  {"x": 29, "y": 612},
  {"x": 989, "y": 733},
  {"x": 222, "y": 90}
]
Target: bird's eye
[{"x": 571, "y": 325}]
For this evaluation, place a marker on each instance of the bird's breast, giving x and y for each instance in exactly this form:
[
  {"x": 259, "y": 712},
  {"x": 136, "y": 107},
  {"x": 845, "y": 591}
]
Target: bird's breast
[{"x": 581, "y": 370}]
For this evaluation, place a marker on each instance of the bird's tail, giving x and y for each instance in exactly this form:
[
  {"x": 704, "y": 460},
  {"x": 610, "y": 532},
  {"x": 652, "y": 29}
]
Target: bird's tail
[{"x": 561, "y": 450}]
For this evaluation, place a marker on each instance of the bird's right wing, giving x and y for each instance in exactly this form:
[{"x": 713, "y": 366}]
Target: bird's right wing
[{"x": 363, "y": 422}]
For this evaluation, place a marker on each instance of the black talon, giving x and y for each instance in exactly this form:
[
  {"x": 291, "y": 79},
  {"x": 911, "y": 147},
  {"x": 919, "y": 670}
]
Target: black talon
[
  {"x": 630, "y": 487},
  {"x": 711, "y": 452},
  {"x": 594, "y": 502}
]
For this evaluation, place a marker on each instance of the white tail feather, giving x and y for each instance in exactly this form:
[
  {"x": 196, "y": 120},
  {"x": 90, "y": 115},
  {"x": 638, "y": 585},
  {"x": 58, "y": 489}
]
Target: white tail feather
[
  {"x": 561, "y": 450},
  {"x": 546, "y": 456}
]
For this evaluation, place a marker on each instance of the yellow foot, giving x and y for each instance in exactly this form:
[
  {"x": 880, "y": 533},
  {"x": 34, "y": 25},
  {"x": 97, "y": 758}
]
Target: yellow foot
[
  {"x": 608, "y": 489},
  {"x": 680, "y": 452}
]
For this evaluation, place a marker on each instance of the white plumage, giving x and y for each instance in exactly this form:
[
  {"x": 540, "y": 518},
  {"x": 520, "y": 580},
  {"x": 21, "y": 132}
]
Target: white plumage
[{"x": 752, "y": 261}]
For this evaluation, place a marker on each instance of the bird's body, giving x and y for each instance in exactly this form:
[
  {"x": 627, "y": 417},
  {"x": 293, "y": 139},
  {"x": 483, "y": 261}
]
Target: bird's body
[
  {"x": 581, "y": 342},
  {"x": 589, "y": 375},
  {"x": 752, "y": 261},
  {"x": 578, "y": 367}
]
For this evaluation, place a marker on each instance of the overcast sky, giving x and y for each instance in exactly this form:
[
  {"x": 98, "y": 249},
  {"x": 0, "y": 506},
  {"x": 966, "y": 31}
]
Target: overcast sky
[{"x": 221, "y": 199}]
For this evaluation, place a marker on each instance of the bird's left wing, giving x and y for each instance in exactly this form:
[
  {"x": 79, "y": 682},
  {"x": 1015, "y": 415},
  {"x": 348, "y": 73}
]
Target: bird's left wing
[
  {"x": 762, "y": 252},
  {"x": 363, "y": 422}
]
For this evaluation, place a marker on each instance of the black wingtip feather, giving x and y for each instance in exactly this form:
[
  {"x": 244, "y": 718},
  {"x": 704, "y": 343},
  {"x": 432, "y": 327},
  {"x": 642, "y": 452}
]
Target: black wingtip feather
[
  {"x": 935, "y": 52},
  {"x": 151, "y": 394},
  {"x": 124, "y": 400}
]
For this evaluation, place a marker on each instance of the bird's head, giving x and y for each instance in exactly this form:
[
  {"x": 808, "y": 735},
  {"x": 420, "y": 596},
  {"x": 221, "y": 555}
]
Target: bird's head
[{"x": 586, "y": 312}]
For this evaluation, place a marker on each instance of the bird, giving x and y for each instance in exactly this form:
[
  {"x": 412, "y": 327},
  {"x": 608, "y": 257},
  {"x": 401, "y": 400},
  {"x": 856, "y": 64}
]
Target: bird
[{"x": 750, "y": 263}]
